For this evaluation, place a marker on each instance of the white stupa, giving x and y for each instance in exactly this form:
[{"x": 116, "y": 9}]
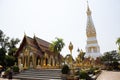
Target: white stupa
[{"x": 92, "y": 47}]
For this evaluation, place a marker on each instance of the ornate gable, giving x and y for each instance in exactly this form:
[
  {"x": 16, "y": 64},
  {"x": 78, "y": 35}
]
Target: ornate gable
[
  {"x": 28, "y": 43},
  {"x": 35, "y": 45}
]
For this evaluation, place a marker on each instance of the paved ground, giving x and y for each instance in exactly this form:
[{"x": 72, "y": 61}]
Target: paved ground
[
  {"x": 105, "y": 75},
  {"x": 8, "y": 79},
  {"x": 109, "y": 75}
]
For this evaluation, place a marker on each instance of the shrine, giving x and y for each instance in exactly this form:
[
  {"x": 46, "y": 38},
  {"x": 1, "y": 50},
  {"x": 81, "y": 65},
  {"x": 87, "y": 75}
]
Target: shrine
[{"x": 35, "y": 53}]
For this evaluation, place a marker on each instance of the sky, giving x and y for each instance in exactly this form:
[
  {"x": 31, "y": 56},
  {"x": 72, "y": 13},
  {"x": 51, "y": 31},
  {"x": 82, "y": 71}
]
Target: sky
[{"x": 64, "y": 19}]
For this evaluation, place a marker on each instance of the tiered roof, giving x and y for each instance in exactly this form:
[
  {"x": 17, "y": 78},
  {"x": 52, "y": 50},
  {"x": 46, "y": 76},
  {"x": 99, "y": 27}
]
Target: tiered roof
[{"x": 35, "y": 44}]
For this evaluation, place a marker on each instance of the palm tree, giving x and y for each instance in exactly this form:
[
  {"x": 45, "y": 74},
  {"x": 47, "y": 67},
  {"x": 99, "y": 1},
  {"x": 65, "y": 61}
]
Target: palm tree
[
  {"x": 56, "y": 47},
  {"x": 118, "y": 43}
]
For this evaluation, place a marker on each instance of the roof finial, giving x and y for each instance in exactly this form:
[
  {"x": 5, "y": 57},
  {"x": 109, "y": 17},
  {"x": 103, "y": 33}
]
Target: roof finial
[
  {"x": 88, "y": 9},
  {"x": 24, "y": 33},
  {"x": 34, "y": 35},
  {"x": 87, "y": 1}
]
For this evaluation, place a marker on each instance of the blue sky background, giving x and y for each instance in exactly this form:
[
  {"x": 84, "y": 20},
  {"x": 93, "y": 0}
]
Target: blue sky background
[{"x": 66, "y": 19}]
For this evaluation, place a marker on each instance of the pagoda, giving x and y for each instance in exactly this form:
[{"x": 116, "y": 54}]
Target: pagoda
[{"x": 92, "y": 47}]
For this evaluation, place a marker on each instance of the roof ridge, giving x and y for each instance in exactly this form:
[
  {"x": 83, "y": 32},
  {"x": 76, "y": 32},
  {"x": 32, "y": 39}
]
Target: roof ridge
[{"x": 42, "y": 40}]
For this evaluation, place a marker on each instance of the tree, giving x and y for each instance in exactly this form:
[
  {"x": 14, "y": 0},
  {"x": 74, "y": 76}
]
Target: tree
[
  {"x": 3, "y": 42},
  {"x": 3, "y": 47},
  {"x": 118, "y": 43},
  {"x": 56, "y": 46},
  {"x": 9, "y": 47},
  {"x": 10, "y": 60},
  {"x": 11, "y": 51},
  {"x": 12, "y": 46},
  {"x": 110, "y": 58}
]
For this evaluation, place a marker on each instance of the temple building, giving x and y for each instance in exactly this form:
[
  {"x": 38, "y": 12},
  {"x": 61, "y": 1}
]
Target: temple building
[
  {"x": 35, "y": 53},
  {"x": 92, "y": 47}
]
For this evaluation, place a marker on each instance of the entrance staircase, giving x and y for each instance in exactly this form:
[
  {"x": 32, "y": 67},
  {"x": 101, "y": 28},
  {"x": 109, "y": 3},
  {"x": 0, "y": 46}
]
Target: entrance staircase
[{"x": 43, "y": 74}]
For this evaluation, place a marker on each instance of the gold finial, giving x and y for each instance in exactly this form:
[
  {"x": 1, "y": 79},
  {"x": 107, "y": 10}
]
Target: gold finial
[
  {"x": 71, "y": 47},
  {"x": 34, "y": 34},
  {"x": 88, "y": 9},
  {"x": 24, "y": 33}
]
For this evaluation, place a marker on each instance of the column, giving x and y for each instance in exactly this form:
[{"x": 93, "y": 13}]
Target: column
[
  {"x": 28, "y": 59},
  {"x": 25, "y": 66},
  {"x": 53, "y": 61},
  {"x": 33, "y": 61}
]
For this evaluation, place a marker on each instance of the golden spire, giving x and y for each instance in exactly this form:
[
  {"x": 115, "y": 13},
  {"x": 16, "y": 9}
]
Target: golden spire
[
  {"x": 88, "y": 9},
  {"x": 90, "y": 31}
]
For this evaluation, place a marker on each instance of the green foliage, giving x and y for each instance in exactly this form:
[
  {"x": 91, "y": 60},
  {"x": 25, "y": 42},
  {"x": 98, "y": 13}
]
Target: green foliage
[
  {"x": 10, "y": 60},
  {"x": 83, "y": 75},
  {"x": 65, "y": 69},
  {"x": 15, "y": 69},
  {"x": 3, "y": 40},
  {"x": 7, "y": 71},
  {"x": 56, "y": 46},
  {"x": 12, "y": 46},
  {"x": 110, "y": 59},
  {"x": 118, "y": 43},
  {"x": 110, "y": 56},
  {"x": 115, "y": 65},
  {"x": 3, "y": 47},
  {"x": 2, "y": 56},
  {"x": 93, "y": 70},
  {"x": 7, "y": 46}
]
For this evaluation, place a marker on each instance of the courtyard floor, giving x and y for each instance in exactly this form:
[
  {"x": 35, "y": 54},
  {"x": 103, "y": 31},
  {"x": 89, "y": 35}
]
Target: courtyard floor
[
  {"x": 109, "y": 75},
  {"x": 105, "y": 75},
  {"x": 8, "y": 79}
]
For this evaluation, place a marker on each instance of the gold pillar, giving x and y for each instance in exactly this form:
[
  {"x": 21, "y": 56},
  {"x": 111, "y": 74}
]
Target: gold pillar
[
  {"x": 25, "y": 66},
  {"x": 28, "y": 59},
  {"x": 45, "y": 57},
  {"x": 33, "y": 61},
  {"x": 44, "y": 62},
  {"x": 22, "y": 59}
]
